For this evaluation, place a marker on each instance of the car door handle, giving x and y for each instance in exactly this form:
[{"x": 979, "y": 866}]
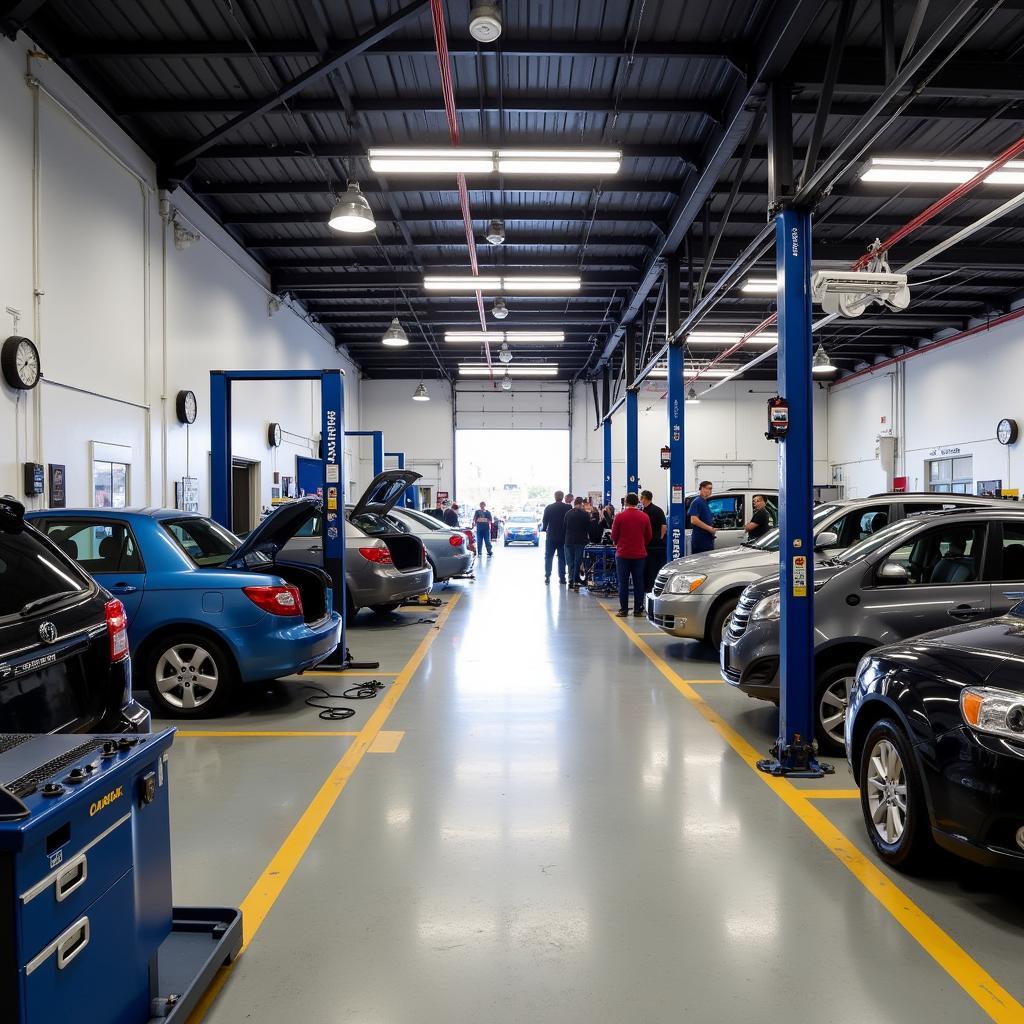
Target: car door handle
[
  {"x": 123, "y": 588},
  {"x": 314, "y": 548},
  {"x": 965, "y": 611}
]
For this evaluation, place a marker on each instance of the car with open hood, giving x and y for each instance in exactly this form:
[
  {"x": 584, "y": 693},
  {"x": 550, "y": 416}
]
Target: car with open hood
[
  {"x": 64, "y": 660},
  {"x": 206, "y": 611},
  {"x": 935, "y": 739},
  {"x": 914, "y": 576},
  {"x": 384, "y": 566}
]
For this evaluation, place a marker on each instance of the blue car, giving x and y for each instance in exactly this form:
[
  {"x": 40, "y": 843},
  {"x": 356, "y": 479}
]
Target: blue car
[
  {"x": 206, "y": 611},
  {"x": 521, "y": 530}
]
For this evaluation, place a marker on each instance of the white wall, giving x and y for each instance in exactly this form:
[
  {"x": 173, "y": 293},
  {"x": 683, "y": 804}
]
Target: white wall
[
  {"x": 948, "y": 399},
  {"x": 124, "y": 320}
]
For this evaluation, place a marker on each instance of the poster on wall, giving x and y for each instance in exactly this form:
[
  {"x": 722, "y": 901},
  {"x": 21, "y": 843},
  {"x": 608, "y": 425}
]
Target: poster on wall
[
  {"x": 58, "y": 486},
  {"x": 186, "y": 494}
]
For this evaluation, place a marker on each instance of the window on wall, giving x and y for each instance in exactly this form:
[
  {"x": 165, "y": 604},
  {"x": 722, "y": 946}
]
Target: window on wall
[
  {"x": 951, "y": 476},
  {"x": 109, "y": 484}
]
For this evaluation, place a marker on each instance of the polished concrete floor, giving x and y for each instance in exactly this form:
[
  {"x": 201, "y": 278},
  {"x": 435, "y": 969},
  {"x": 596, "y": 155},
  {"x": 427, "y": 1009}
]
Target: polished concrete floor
[{"x": 547, "y": 816}]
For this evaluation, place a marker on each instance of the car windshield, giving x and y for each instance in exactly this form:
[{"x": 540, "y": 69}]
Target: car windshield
[
  {"x": 878, "y": 540},
  {"x": 770, "y": 541},
  {"x": 32, "y": 575},
  {"x": 205, "y": 542}
]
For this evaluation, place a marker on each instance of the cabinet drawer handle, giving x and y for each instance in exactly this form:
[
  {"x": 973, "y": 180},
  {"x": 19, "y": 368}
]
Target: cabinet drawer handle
[
  {"x": 72, "y": 942},
  {"x": 71, "y": 878}
]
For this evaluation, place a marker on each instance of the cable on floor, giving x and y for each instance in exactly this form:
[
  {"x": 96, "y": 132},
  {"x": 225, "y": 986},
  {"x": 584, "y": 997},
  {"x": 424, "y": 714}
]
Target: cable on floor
[{"x": 338, "y": 712}]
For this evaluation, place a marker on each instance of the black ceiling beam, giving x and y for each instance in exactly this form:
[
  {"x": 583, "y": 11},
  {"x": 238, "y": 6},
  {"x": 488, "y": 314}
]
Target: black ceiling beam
[
  {"x": 517, "y": 242},
  {"x": 15, "y": 13},
  {"x": 780, "y": 35},
  {"x": 511, "y": 215},
  {"x": 518, "y": 102},
  {"x": 84, "y": 47},
  {"x": 997, "y": 110},
  {"x": 449, "y": 264},
  {"x": 435, "y": 183},
  {"x": 354, "y": 280},
  {"x": 319, "y": 71}
]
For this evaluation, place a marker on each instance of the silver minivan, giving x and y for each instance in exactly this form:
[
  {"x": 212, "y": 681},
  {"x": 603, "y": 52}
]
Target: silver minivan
[{"x": 693, "y": 597}]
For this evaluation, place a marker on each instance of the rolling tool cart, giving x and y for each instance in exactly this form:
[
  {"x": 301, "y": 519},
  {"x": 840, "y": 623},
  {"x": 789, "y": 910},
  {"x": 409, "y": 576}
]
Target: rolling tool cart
[{"x": 87, "y": 927}]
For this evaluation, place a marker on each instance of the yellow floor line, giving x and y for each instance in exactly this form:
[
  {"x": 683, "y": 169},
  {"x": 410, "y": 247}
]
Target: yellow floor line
[
  {"x": 262, "y": 896},
  {"x": 979, "y": 985},
  {"x": 386, "y": 742},
  {"x": 262, "y": 734},
  {"x": 830, "y": 794}
]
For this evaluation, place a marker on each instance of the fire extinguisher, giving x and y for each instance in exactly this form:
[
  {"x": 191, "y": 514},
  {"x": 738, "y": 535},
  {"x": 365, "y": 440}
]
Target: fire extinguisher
[{"x": 778, "y": 418}]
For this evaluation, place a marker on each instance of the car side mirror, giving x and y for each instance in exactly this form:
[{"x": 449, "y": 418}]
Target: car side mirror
[
  {"x": 826, "y": 539},
  {"x": 893, "y": 573}
]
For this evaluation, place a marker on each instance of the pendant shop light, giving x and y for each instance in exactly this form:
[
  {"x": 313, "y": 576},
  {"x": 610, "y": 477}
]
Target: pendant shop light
[
  {"x": 499, "y": 311},
  {"x": 420, "y": 394},
  {"x": 395, "y": 336},
  {"x": 352, "y": 212},
  {"x": 505, "y": 355},
  {"x": 691, "y": 396},
  {"x": 496, "y": 232},
  {"x": 822, "y": 366},
  {"x": 506, "y": 382}
]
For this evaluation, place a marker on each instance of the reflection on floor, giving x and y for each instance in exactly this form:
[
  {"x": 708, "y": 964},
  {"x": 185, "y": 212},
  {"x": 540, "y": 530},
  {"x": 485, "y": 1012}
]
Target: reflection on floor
[{"x": 558, "y": 835}]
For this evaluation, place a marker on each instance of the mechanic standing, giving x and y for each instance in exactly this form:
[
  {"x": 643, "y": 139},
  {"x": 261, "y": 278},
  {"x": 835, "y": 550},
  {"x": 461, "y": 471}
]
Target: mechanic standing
[
  {"x": 482, "y": 521},
  {"x": 451, "y": 516},
  {"x": 553, "y": 527},
  {"x": 631, "y": 533},
  {"x": 577, "y": 533},
  {"x": 656, "y": 545},
  {"x": 702, "y": 522},
  {"x": 759, "y": 523}
]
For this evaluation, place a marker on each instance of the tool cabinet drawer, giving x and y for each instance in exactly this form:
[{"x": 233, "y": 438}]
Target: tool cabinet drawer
[
  {"x": 90, "y": 968},
  {"x": 58, "y": 899}
]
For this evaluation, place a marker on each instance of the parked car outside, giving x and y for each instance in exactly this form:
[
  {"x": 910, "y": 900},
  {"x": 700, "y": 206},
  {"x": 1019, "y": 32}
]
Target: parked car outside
[
  {"x": 64, "y": 657},
  {"x": 694, "y": 596},
  {"x": 383, "y": 566},
  {"x": 935, "y": 739},
  {"x": 447, "y": 552},
  {"x": 914, "y": 576},
  {"x": 731, "y": 511},
  {"x": 522, "y": 529},
  {"x": 206, "y": 611}
]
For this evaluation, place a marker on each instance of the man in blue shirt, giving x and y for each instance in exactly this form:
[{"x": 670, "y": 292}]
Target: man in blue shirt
[{"x": 702, "y": 522}]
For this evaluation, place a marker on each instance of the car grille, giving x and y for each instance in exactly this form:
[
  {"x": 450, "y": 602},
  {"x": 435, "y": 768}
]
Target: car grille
[
  {"x": 741, "y": 616},
  {"x": 660, "y": 583}
]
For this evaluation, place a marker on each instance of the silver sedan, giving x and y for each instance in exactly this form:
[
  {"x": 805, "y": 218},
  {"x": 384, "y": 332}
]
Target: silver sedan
[{"x": 447, "y": 550}]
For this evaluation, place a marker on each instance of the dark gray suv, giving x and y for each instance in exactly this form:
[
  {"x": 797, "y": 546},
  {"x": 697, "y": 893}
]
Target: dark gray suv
[{"x": 919, "y": 574}]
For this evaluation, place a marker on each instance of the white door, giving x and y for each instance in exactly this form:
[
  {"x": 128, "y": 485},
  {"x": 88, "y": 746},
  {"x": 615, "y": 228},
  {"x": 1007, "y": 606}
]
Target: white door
[{"x": 725, "y": 475}]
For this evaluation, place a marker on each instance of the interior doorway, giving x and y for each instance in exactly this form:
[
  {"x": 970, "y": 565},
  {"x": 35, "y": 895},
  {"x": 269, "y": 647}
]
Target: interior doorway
[
  {"x": 245, "y": 495},
  {"x": 512, "y": 470}
]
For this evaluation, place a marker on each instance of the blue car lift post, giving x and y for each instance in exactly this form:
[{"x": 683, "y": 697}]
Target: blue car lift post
[
  {"x": 794, "y": 753},
  {"x": 332, "y": 425},
  {"x": 606, "y": 435},
  {"x": 676, "y": 547},
  {"x": 410, "y": 492},
  {"x": 632, "y": 416}
]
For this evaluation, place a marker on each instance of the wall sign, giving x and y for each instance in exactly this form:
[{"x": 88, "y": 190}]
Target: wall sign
[
  {"x": 937, "y": 452},
  {"x": 58, "y": 486},
  {"x": 186, "y": 494}
]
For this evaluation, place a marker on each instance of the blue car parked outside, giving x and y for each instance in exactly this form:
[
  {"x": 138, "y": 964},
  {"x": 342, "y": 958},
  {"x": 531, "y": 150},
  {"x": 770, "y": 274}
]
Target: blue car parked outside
[
  {"x": 206, "y": 611},
  {"x": 521, "y": 529}
]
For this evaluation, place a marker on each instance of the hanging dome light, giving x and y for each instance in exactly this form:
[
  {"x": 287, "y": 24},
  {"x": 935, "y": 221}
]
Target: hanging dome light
[
  {"x": 691, "y": 396},
  {"x": 395, "y": 336},
  {"x": 505, "y": 354},
  {"x": 506, "y": 382},
  {"x": 496, "y": 232},
  {"x": 352, "y": 212},
  {"x": 821, "y": 366},
  {"x": 499, "y": 311},
  {"x": 420, "y": 394}
]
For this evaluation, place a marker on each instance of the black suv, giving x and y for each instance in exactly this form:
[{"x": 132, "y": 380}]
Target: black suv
[{"x": 64, "y": 664}]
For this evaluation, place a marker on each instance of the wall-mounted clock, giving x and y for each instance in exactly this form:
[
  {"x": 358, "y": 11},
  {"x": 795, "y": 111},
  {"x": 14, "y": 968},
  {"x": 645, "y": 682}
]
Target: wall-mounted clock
[
  {"x": 19, "y": 362},
  {"x": 274, "y": 435},
  {"x": 186, "y": 407},
  {"x": 1006, "y": 432}
]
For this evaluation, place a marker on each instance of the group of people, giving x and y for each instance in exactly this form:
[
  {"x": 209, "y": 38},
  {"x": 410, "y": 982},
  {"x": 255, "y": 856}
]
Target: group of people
[{"x": 569, "y": 524}]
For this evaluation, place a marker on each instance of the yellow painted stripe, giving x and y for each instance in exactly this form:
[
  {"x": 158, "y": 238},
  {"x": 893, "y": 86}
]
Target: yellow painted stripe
[
  {"x": 979, "y": 985},
  {"x": 262, "y": 896},
  {"x": 830, "y": 794},
  {"x": 386, "y": 742},
  {"x": 261, "y": 734}
]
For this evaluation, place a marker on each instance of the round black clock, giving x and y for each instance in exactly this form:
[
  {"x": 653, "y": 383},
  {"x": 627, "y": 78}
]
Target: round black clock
[
  {"x": 1006, "y": 432},
  {"x": 274, "y": 435},
  {"x": 19, "y": 362},
  {"x": 186, "y": 407}
]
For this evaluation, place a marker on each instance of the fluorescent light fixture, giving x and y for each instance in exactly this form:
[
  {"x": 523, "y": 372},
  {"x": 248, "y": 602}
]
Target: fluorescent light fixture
[
  {"x": 491, "y": 283},
  {"x": 512, "y": 337},
  {"x": 725, "y": 339},
  {"x": 760, "y": 286},
  {"x": 389, "y": 160},
  {"x": 512, "y": 370},
  {"x": 352, "y": 212},
  {"x": 919, "y": 170},
  {"x": 661, "y": 372}
]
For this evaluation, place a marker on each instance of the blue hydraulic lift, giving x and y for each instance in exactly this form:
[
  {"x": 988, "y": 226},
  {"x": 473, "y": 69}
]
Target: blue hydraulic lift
[
  {"x": 606, "y": 435},
  {"x": 410, "y": 492},
  {"x": 676, "y": 509},
  {"x": 632, "y": 416},
  {"x": 378, "y": 447}
]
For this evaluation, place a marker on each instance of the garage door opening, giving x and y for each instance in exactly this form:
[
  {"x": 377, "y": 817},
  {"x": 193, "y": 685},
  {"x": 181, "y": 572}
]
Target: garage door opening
[{"x": 512, "y": 470}]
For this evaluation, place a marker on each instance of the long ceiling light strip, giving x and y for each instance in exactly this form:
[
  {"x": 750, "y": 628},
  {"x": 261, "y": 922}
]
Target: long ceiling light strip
[
  {"x": 491, "y": 283},
  {"x": 510, "y": 337},
  {"x": 722, "y": 339},
  {"x": 513, "y": 370},
  {"x": 661, "y": 372},
  {"x": 494, "y": 161},
  {"x": 913, "y": 171}
]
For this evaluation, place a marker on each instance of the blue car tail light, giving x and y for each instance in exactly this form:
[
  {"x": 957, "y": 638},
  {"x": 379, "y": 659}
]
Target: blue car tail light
[{"x": 276, "y": 600}]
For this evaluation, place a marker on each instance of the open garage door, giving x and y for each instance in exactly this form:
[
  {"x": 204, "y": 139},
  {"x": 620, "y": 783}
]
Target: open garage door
[{"x": 530, "y": 405}]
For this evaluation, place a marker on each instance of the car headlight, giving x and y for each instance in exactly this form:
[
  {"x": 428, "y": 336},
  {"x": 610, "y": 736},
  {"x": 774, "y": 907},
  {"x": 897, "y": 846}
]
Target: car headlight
[
  {"x": 999, "y": 712},
  {"x": 767, "y": 608},
  {"x": 685, "y": 582}
]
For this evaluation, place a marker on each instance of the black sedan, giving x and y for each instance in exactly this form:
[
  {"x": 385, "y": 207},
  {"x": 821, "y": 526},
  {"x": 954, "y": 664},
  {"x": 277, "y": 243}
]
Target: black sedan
[
  {"x": 64, "y": 664},
  {"x": 935, "y": 739}
]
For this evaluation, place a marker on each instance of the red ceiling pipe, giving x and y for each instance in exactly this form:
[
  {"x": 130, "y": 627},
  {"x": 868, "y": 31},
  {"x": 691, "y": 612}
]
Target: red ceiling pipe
[{"x": 444, "y": 65}]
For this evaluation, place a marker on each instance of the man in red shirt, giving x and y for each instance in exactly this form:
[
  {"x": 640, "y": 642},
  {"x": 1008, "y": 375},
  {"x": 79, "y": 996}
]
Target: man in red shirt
[{"x": 631, "y": 533}]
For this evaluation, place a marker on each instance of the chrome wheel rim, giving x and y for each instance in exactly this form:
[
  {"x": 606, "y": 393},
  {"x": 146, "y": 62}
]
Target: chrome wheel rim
[
  {"x": 186, "y": 676},
  {"x": 886, "y": 785},
  {"x": 832, "y": 709}
]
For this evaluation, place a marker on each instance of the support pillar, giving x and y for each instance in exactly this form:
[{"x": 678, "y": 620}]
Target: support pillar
[
  {"x": 606, "y": 434},
  {"x": 632, "y": 416},
  {"x": 676, "y": 547}
]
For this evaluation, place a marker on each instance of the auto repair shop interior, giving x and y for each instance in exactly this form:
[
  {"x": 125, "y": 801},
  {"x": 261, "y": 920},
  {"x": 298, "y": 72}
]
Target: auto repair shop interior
[{"x": 284, "y": 734}]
